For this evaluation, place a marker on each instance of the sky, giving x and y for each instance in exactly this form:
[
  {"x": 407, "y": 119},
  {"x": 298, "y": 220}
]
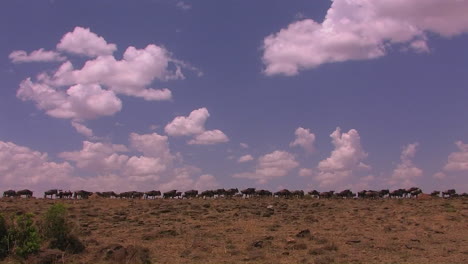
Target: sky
[{"x": 167, "y": 94}]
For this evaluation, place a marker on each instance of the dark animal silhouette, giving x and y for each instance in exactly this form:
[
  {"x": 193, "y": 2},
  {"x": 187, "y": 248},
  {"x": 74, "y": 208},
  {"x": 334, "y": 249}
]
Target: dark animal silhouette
[
  {"x": 231, "y": 192},
  {"x": 81, "y": 194},
  {"x": 9, "y": 193},
  {"x": 207, "y": 194},
  {"x": 449, "y": 193},
  {"x": 51, "y": 193},
  {"x": 190, "y": 194},
  {"x": 314, "y": 193},
  {"x": 27, "y": 193},
  {"x": 152, "y": 194},
  {"x": 170, "y": 194},
  {"x": 248, "y": 192},
  {"x": 283, "y": 193},
  {"x": 435, "y": 193}
]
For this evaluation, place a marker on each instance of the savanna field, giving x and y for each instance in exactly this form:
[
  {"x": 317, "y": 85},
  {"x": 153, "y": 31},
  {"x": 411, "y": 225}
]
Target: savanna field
[{"x": 255, "y": 230}]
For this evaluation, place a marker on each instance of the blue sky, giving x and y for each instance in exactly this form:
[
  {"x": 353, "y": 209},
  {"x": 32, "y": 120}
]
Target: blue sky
[{"x": 241, "y": 77}]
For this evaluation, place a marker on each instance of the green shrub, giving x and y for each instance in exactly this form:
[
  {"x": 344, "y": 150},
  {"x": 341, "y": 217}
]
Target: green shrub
[
  {"x": 4, "y": 238},
  {"x": 24, "y": 235},
  {"x": 58, "y": 230}
]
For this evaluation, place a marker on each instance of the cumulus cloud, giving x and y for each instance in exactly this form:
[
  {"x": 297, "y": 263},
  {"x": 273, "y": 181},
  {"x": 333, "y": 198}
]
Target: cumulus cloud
[
  {"x": 304, "y": 139},
  {"x": 406, "y": 171},
  {"x": 152, "y": 145},
  {"x": 245, "y": 158},
  {"x": 184, "y": 6},
  {"x": 82, "y": 41},
  {"x": 458, "y": 161},
  {"x": 304, "y": 172},
  {"x": 40, "y": 55},
  {"x": 21, "y": 167},
  {"x": 130, "y": 76},
  {"x": 98, "y": 157},
  {"x": 273, "y": 165},
  {"x": 82, "y": 129},
  {"x": 210, "y": 137},
  {"x": 91, "y": 92},
  {"x": 360, "y": 30},
  {"x": 345, "y": 159},
  {"x": 77, "y": 102},
  {"x": 194, "y": 125}
]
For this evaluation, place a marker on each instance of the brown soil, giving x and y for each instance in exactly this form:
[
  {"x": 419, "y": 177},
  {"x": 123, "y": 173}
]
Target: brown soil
[{"x": 246, "y": 231}]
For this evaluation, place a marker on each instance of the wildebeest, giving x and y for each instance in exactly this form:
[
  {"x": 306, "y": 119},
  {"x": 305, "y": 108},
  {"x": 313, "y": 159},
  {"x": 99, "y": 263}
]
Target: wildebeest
[
  {"x": 106, "y": 194},
  {"x": 328, "y": 194},
  {"x": 170, "y": 194},
  {"x": 9, "y": 193},
  {"x": 346, "y": 194},
  {"x": 153, "y": 194},
  {"x": 65, "y": 194},
  {"x": 383, "y": 193},
  {"x": 400, "y": 193},
  {"x": 27, "y": 193},
  {"x": 415, "y": 193},
  {"x": 435, "y": 193},
  {"x": 51, "y": 193},
  {"x": 262, "y": 193},
  {"x": 248, "y": 192},
  {"x": 191, "y": 194},
  {"x": 298, "y": 194},
  {"x": 207, "y": 194},
  {"x": 449, "y": 193},
  {"x": 283, "y": 193},
  {"x": 219, "y": 192},
  {"x": 82, "y": 194},
  {"x": 314, "y": 193},
  {"x": 231, "y": 192}
]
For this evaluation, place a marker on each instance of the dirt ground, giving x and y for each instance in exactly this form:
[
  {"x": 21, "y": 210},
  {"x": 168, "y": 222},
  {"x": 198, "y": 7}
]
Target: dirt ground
[{"x": 263, "y": 230}]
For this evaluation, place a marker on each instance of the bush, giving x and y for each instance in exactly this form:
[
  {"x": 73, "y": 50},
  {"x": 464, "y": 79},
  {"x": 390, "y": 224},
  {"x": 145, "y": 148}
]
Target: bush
[
  {"x": 24, "y": 235},
  {"x": 4, "y": 238},
  {"x": 58, "y": 230}
]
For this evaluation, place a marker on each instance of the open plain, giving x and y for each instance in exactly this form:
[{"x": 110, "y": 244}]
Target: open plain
[{"x": 261, "y": 230}]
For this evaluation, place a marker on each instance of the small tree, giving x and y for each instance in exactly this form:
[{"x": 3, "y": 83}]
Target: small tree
[
  {"x": 58, "y": 230},
  {"x": 25, "y": 236}
]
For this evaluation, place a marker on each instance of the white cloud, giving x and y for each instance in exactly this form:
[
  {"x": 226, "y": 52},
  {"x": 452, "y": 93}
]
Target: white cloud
[
  {"x": 439, "y": 176},
  {"x": 273, "y": 165},
  {"x": 21, "y": 167},
  {"x": 184, "y": 6},
  {"x": 98, "y": 157},
  {"x": 78, "y": 102},
  {"x": 209, "y": 138},
  {"x": 245, "y": 158},
  {"x": 84, "y": 42},
  {"x": 406, "y": 172},
  {"x": 360, "y": 30},
  {"x": 82, "y": 129},
  {"x": 40, "y": 55},
  {"x": 194, "y": 124},
  {"x": 244, "y": 145},
  {"x": 346, "y": 158},
  {"x": 304, "y": 139},
  {"x": 458, "y": 161},
  {"x": 152, "y": 145},
  {"x": 130, "y": 76},
  {"x": 304, "y": 172},
  {"x": 206, "y": 182}
]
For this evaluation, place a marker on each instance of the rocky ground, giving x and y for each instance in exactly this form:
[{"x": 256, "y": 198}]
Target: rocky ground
[{"x": 260, "y": 230}]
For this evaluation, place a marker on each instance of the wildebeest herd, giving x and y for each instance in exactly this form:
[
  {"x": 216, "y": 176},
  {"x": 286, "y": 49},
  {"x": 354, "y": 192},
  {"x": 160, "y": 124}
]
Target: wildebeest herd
[{"x": 234, "y": 192}]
